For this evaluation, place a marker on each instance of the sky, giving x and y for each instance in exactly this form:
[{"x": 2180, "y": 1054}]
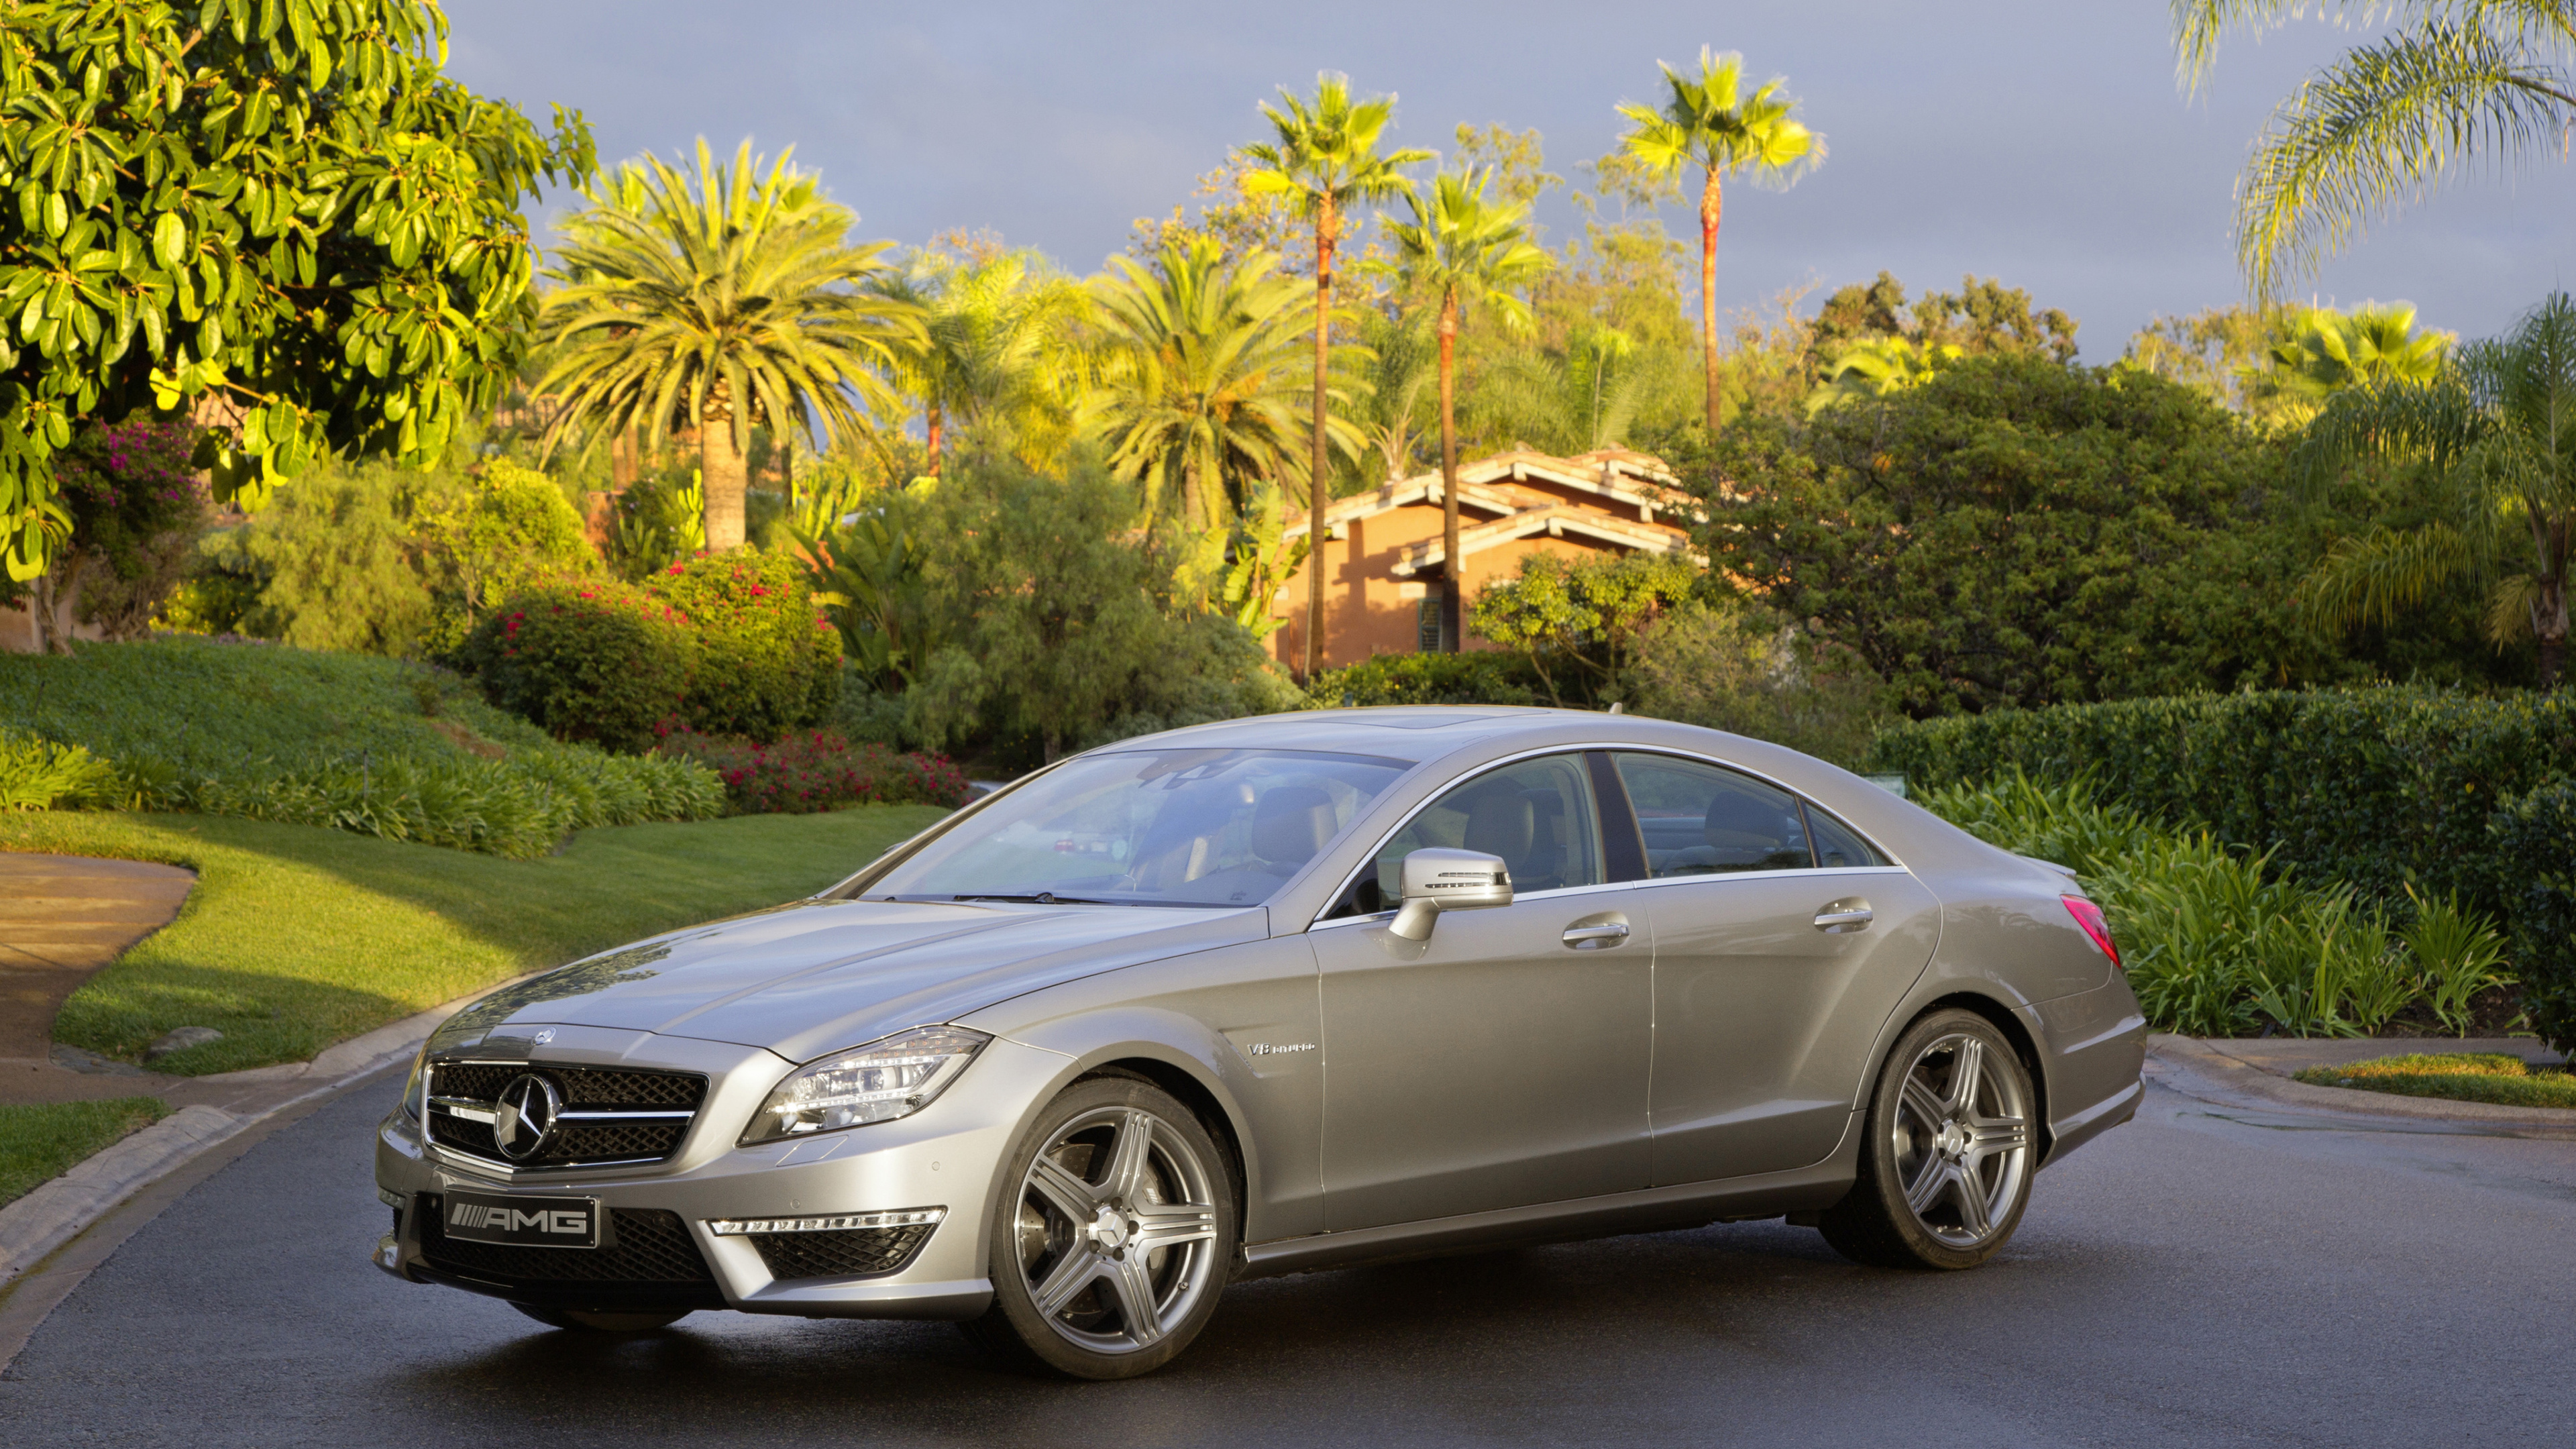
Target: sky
[{"x": 2044, "y": 144}]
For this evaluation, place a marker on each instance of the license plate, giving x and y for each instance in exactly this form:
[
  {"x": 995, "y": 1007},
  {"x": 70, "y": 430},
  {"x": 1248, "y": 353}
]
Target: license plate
[{"x": 525, "y": 1222}]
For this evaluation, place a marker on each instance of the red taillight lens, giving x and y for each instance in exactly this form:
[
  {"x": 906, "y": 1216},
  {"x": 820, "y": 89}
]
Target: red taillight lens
[{"x": 2089, "y": 916}]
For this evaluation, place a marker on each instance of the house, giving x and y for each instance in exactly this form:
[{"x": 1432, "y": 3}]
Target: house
[{"x": 1382, "y": 561}]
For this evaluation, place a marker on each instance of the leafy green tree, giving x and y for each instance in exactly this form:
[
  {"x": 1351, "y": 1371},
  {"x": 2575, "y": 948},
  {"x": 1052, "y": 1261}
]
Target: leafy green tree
[
  {"x": 1324, "y": 161},
  {"x": 2217, "y": 351},
  {"x": 277, "y": 211},
  {"x": 1400, "y": 359},
  {"x": 1000, "y": 346},
  {"x": 1466, "y": 251},
  {"x": 1584, "y": 616},
  {"x": 2017, "y": 532},
  {"x": 2497, "y": 430},
  {"x": 717, "y": 301},
  {"x": 136, "y": 512},
  {"x": 1199, "y": 391},
  {"x": 504, "y": 530},
  {"x": 1984, "y": 316},
  {"x": 1709, "y": 121},
  {"x": 2460, "y": 84},
  {"x": 1880, "y": 368}
]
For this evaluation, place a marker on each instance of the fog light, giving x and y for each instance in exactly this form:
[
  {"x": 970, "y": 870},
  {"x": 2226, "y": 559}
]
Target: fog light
[{"x": 835, "y": 1223}]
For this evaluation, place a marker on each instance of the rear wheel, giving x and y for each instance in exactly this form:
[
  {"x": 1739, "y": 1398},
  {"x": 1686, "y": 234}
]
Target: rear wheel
[
  {"x": 590, "y": 1320},
  {"x": 1111, "y": 1248},
  {"x": 1946, "y": 1164}
]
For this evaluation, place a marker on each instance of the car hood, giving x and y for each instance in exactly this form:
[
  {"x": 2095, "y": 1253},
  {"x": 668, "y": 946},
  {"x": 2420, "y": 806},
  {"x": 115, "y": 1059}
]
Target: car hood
[{"x": 809, "y": 978}]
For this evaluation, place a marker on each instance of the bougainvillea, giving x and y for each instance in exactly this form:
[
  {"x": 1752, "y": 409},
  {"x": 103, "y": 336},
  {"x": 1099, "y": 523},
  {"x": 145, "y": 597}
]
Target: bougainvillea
[{"x": 817, "y": 770}]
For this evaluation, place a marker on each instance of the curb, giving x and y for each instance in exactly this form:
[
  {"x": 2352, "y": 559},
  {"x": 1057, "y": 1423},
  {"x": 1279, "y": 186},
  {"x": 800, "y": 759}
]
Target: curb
[
  {"x": 2244, "y": 1079},
  {"x": 58, "y": 1211}
]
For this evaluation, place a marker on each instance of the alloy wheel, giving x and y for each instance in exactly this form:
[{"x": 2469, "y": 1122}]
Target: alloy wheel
[
  {"x": 1962, "y": 1140},
  {"x": 1117, "y": 1230}
]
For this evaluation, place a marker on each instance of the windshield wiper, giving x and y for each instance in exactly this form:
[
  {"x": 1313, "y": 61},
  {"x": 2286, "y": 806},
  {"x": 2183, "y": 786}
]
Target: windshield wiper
[{"x": 1045, "y": 898}]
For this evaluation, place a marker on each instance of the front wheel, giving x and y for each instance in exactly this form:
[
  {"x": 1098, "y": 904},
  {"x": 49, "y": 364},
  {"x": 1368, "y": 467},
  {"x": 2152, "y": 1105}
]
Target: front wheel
[
  {"x": 1946, "y": 1164},
  {"x": 1115, "y": 1237}
]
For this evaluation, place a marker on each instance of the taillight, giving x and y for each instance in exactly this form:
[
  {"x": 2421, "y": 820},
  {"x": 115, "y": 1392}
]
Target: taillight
[{"x": 2089, "y": 916}]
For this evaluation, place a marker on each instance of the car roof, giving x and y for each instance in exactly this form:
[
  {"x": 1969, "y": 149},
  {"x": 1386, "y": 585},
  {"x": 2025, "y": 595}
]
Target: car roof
[{"x": 1412, "y": 732}]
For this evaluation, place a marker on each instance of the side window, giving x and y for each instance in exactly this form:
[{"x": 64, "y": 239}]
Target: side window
[
  {"x": 1838, "y": 846},
  {"x": 1698, "y": 819},
  {"x": 1537, "y": 815}
]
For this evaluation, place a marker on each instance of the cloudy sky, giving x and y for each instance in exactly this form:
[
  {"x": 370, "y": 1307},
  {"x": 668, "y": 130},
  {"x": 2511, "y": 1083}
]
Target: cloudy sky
[{"x": 2042, "y": 143}]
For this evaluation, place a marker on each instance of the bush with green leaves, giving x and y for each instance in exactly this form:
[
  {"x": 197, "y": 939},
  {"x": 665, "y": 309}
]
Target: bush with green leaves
[
  {"x": 1727, "y": 665},
  {"x": 2391, "y": 790},
  {"x": 38, "y": 774},
  {"x": 768, "y": 661},
  {"x": 601, "y": 663},
  {"x": 1579, "y": 621},
  {"x": 2219, "y": 941},
  {"x": 1473, "y": 676}
]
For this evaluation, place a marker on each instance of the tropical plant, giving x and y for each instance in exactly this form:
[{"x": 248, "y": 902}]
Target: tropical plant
[
  {"x": 279, "y": 210},
  {"x": 1467, "y": 252},
  {"x": 1000, "y": 346},
  {"x": 1325, "y": 160},
  {"x": 2463, "y": 83},
  {"x": 2459, "y": 953},
  {"x": 1399, "y": 355},
  {"x": 1708, "y": 120},
  {"x": 1880, "y": 368},
  {"x": 2328, "y": 351},
  {"x": 1199, "y": 392},
  {"x": 1570, "y": 399},
  {"x": 2499, "y": 429},
  {"x": 716, "y": 301},
  {"x": 1239, "y": 568}
]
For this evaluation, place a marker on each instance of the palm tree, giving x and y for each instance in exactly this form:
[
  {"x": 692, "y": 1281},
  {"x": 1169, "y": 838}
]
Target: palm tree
[
  {"x": 2500, "y": 429},
  {"x": 1465, "y": 250},
  {"x": 1199, "y": 381},
  {"x": 1398, "y": 353},
  {"x": 2465, "y": 82},
  {"x": 1326, "y": 159},
  {"x": 999, "y": 346},
  {"x": 1708, "y": 120},
  {"x": 2329, "y": 351},
  {"x": 1880, "y": 368},
  {"x": 716, "y": 301}
]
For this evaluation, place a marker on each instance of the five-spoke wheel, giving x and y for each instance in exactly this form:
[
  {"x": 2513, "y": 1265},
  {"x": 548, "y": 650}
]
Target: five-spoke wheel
[
  {"x": 1945, "y": 1166},
  {"x": 1110, "y": 1256}
]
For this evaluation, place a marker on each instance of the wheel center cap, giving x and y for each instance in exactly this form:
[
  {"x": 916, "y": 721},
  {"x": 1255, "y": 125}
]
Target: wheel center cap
[
  {"x": 1953, "y": 1139},
  {"x": 1109, "y": 1230}
]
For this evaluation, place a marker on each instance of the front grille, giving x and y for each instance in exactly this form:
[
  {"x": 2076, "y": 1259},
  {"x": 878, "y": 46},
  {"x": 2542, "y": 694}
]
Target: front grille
[
  {"x": 583, "y": 1089},
  {"x": 644, "y": 1245},
  {"x": 595, "y": 1089},
  {"x": 843, "y": 1254}
]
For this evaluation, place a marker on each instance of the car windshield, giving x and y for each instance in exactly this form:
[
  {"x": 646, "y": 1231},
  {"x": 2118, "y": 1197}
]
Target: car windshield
[{"x": 1218, "y": 828}]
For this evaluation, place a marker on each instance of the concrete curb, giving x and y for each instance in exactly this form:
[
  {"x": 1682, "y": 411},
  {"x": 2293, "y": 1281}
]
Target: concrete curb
[
  {"x": 2243, "y": 1079},
  {"x": 60, "y": 1210}
]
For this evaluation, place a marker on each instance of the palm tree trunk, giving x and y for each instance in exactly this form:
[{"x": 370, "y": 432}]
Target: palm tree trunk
[
  {"x": 1712, "y": 205},
  {"x": 1453, "y": 575},
  {"x": 935, "y": 427},
  {"x": 1193, "y": 498},
  {"x": 1327, "y": 231},
  {"x": 720, "y": 469}
]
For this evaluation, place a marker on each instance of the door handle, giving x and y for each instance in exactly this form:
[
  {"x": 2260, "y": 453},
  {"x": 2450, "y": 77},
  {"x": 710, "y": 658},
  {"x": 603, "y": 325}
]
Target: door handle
[
  {"x": 1848, "y": 918},
  {"x": 1610, "y": 934}
]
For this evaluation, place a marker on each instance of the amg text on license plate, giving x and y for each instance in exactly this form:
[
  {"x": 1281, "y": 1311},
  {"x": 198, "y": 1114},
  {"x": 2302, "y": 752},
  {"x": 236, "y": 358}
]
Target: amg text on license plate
[{"x": 526, "y": 1222}]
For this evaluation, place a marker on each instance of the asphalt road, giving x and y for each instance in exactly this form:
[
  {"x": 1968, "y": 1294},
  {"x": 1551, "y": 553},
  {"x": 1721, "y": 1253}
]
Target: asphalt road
[{"x": 2197, "y": 1277}]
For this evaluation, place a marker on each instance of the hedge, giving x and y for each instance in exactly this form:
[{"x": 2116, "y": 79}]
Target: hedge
[{"x": 2381, "y": 788}]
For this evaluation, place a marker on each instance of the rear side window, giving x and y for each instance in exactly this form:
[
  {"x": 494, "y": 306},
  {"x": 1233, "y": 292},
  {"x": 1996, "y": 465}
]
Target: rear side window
[
  {"x": 1838, "y": 846},
  {"x": 1699, "y": 819}
]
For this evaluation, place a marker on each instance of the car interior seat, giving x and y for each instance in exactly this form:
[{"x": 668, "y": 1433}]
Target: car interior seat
[{"x": 1289, "y": 825}]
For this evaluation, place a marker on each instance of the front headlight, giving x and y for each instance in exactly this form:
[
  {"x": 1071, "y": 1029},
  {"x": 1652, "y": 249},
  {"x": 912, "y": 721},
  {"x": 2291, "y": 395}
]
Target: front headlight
[
  {"x": 415, "y": 1091},
  {"x": 879, "y": 1082}
]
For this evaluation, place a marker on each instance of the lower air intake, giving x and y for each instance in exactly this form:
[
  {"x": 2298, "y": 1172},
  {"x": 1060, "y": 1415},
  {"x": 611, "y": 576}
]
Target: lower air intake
[{"x": 850, "y": 1253}]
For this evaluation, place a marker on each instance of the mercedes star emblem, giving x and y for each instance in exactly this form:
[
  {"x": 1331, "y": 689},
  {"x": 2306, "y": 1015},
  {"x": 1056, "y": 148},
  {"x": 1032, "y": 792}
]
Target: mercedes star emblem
[{"x": 525, "y": 1117}]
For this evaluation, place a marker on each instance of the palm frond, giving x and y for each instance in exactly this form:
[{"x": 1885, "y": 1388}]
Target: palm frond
[
  {"x": 2373, "y": 578},
  {"x": 2512, "y": 607}
]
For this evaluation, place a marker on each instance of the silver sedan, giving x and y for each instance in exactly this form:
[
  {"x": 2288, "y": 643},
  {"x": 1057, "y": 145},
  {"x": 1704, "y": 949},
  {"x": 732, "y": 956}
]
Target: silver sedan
[{"x": 1270, "y": 996}]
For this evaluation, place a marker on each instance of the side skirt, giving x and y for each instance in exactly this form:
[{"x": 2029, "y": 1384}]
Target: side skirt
[{"x": 1654, "y": 1209}]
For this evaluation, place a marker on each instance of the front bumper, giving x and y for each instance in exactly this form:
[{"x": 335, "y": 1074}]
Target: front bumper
[{"x": 947, "y": 1156}]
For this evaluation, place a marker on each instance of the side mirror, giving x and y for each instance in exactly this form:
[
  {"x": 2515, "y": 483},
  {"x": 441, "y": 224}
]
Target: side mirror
[{"x": 1439, "y": 879}]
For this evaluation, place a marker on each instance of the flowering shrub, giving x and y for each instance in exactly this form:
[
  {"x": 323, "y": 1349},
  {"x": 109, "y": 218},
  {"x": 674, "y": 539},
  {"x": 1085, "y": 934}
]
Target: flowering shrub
[
  {"x": 136, "y": 508},
  {"x": 595, "y": 661},
  {"x": 771, "y": 662},
  {"x": 816, "y": 770}
]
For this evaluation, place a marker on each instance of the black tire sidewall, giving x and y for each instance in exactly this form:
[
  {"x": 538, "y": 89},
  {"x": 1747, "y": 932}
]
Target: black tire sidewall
[
  {"x": 1012, "y": 1325},
  {"x": 1879, "y": 1177}
]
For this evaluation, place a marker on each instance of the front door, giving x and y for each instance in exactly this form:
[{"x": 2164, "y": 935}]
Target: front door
[
  {"x": 1782, "y": 943},
  {"x": 1504, "y": 1061}
]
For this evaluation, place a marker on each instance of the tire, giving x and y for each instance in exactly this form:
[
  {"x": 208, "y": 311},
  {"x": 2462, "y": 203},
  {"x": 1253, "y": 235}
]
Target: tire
[
  {"x": 590, "y": 1320},
  {"x": 1112, "y": 1236},
  {"x": 1944, "y": 1173}
]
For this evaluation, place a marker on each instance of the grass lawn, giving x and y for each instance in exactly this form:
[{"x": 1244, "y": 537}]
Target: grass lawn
[
  {"x": 2462, "y": 1076},
  {"x": 297, "y": 936},
  {"x": 41, "y": 1143}
]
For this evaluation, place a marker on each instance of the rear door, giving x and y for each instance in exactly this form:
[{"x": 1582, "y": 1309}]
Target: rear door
[
  {"x": 1503, "y": 1062},
  {"x": 1783, "y": 940}
]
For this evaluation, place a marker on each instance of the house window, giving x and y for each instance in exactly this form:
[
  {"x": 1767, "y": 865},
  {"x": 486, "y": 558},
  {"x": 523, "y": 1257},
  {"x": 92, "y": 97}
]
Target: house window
[{"x": 1426, "y": 620}]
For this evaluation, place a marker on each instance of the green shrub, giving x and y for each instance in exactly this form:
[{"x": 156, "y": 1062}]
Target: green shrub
[
  {"x": 37, "y": 774},
  {"x": 817, "y": 771},
  {"x": 1476, "y": 676},
  {"x": 597, "y": 662},
  {"x": 768, "y": 662},
  {"x": 2388, "y": 790}
]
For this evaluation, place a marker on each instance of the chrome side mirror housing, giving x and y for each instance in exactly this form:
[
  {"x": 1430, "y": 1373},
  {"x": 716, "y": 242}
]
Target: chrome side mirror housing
[{"x": 1438, "y": 879}]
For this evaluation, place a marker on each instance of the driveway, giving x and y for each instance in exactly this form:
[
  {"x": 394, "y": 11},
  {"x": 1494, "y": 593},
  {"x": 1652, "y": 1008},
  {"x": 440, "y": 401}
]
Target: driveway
[{"x": 2205, "y": 1275}]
